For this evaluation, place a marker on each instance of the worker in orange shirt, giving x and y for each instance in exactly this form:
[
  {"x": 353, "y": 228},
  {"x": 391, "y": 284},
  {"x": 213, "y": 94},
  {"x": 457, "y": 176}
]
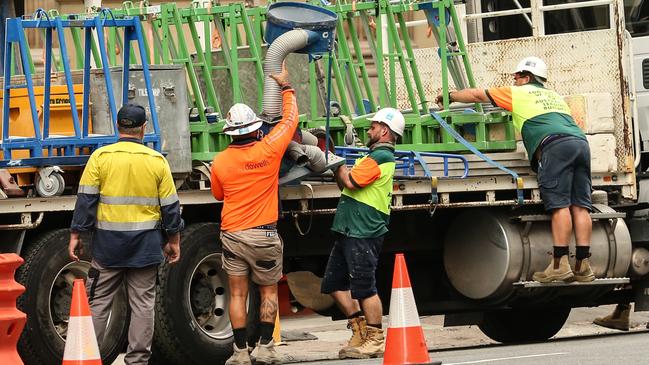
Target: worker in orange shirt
[{"x": 245, "y": 177}]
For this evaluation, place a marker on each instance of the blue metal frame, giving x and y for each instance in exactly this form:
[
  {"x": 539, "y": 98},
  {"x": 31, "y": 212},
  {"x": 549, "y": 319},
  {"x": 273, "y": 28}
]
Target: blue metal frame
[
  {"x": 69, "y": 150},
  {"x": 406, "y": 161}
]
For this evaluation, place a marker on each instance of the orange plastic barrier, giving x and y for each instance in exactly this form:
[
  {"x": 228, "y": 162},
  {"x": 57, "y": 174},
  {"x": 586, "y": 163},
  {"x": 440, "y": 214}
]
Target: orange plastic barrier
[{"x": 12, "y": 321}]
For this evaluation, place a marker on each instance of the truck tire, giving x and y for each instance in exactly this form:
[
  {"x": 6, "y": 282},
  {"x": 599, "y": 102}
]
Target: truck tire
[
  {"x": 192, "y": 325},
  {"x": 47, "y": 275},
  {"x": 523, "y": 325}
]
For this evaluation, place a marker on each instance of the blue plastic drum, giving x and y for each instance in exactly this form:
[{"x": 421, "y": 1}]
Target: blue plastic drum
[{"x": 284, "y": 16}]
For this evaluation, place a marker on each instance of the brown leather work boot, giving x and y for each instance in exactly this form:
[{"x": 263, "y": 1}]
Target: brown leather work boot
[
  {"x": 373, "y": 345},
  {"x": 358, "y": 326},
  {"x": 618, "y": 320},
  {"x": 562, "y": 273},
  {"x": 583, "y": 272}
]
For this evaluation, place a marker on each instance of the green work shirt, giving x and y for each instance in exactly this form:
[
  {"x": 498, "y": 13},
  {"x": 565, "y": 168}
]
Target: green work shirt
[{"x": 364, "y": 212}]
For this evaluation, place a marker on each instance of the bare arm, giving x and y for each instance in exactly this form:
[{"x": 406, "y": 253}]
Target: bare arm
[
  {"x": 343, "y": 180},
  {"x": 465, "y": 96}
]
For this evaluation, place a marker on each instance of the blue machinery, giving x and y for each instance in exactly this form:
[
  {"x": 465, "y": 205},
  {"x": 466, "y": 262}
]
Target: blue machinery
[{"x": 68, "y": 150}]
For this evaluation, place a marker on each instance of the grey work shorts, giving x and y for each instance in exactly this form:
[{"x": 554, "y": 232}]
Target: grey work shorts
[
  {"x": 254, "y": 252},
  {"x": 564, "y": 174}
]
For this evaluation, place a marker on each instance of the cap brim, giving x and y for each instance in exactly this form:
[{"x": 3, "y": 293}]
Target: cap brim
[{"x": 245, "y": 129}]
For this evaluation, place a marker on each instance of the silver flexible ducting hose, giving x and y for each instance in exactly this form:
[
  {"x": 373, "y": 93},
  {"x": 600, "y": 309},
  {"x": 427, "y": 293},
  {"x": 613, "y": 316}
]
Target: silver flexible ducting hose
[
  {"x": 288, "y": 42},
  {"x": 307, "y": 155},
  {"x": 296, "y": 153},
  {"x": 303, "y": 154},
  {"x": 308, "y": 138},
  {"x": 317, "y": 160}
]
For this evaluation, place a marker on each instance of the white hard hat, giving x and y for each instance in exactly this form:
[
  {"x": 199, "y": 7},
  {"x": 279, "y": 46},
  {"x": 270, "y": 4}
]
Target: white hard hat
[
  {"x": 533, "y": 65},
  {"x": 392, "y": 118},
  {"x": 241, "y": 120}
]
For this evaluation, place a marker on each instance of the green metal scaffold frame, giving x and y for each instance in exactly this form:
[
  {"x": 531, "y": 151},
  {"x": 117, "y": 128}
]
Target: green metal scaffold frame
[{"x": 176, "y": 39}]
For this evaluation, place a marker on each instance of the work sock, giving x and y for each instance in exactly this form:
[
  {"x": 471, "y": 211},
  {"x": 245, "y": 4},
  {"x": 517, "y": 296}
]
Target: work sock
[
  {"x": 355, "y": 315},
  {"x": 583, "y": 252},
  {"x": 560, "y": 251},
  {"x": 266, "y": 331},
  {"x": 240, "y": 337},
  {"x": 379, "y": 326}
]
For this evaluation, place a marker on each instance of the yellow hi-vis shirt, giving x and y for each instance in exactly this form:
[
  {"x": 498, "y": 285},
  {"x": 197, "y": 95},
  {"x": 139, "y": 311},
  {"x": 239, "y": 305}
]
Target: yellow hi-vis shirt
[
  {"x": 127, "y": 196},
  {"x": 537, "y": 112}
]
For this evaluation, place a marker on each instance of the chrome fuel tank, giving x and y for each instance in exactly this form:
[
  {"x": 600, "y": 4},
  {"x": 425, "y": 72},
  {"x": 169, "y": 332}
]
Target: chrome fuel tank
[{"x": 487, "y": 251}]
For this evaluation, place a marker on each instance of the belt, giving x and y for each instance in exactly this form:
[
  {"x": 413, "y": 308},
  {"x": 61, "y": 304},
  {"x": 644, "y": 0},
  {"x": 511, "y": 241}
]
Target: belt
[
  {"x": 266, "y": 227},
  {"x": 545, "y": 142}
]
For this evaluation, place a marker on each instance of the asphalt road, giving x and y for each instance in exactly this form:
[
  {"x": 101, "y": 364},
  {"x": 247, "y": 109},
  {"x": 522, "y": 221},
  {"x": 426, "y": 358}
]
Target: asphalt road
[{"x": 621, "y": 348}]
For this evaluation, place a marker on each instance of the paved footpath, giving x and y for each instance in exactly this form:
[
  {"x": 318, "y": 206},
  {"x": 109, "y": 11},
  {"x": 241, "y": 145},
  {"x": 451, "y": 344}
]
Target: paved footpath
[{"x": 579, "y": 342}]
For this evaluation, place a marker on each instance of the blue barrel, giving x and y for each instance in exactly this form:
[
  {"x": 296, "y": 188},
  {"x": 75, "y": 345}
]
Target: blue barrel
[{"x": 284, "y": 16}]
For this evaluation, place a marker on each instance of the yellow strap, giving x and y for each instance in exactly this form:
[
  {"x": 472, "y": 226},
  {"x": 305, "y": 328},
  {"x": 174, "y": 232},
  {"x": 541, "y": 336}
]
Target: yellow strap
[{"x": 519, "y": 183}]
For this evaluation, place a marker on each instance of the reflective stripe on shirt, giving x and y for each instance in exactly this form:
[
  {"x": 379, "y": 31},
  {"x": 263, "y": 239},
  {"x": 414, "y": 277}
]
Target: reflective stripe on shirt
[{"x": 127, "y": 226}]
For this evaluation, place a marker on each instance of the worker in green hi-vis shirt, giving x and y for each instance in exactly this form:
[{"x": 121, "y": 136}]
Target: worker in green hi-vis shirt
[
  {"x": 360, "y": 225},
  {"x": 558, "y": 152}
]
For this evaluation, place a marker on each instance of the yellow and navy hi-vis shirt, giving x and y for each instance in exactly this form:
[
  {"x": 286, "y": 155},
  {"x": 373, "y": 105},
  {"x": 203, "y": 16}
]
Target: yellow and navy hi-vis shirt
[
  {"x": 537, "y": 112},
  {"x": 128, "y": 199},
  {"x": 365, "y": 211}
]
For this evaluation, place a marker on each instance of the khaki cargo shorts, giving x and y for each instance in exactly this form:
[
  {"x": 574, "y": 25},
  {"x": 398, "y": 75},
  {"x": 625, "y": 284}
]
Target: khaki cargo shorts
[{"x": 255, "y": 252}]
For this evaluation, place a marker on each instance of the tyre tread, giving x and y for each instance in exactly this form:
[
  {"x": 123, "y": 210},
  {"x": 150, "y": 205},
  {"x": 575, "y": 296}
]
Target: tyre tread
[
  {"x": 167, "y": 349},
  {"x": 26, "y": 347}
]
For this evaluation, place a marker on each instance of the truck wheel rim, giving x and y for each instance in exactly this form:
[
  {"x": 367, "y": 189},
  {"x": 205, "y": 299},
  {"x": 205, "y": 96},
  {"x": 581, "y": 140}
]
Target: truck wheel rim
[
  {"x": 61, "y": 295},
  {"x": 208, "y": 297}
]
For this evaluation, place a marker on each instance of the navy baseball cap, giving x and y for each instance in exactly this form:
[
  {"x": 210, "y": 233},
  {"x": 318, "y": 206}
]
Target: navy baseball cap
[{"x": 131, "y": 116}]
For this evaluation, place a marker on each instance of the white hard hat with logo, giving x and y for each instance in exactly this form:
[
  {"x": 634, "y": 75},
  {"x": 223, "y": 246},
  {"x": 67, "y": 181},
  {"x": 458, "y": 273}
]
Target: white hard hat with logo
[
  {"x": 392, "y": 118},
  {"x": 533, "y": 65},
  {"x": 241, "y": 120}
]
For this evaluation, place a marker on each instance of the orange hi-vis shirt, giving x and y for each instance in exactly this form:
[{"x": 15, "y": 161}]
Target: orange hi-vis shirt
[{"x": 245, "y": 177}]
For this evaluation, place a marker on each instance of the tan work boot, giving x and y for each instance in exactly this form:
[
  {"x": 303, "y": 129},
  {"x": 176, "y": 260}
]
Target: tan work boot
[
  {"x": 239, "y": 357},
  {"x": 618, "y": 320},
  {"x": 562, "y": 273},
  {"x": 266, "y": 354},
  {"x": 373, "y": 345},
  {"x": 358, "y": 326},
  {"x": 584, "y": 274}
]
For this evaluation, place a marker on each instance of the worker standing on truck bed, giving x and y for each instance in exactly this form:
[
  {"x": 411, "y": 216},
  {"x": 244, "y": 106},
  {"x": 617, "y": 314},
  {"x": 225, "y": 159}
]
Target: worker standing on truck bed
[
  {"x": 558, "y": 152},
  {"x": 128, "y": 199},
  {"x": 245, "y": 177},
  {"x": 360, "y": 224}
]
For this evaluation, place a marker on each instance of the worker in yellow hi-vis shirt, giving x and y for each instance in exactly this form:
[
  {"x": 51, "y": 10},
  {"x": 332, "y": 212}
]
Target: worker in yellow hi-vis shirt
[
  {"x": 128, "y": 200},
  {"x": 559, "y": 152}
]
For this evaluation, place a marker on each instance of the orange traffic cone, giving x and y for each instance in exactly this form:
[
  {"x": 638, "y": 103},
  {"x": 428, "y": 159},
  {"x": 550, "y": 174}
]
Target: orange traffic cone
[
  {"x": 405, "y": 342},
  {"x": 81, "y": 345}
]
